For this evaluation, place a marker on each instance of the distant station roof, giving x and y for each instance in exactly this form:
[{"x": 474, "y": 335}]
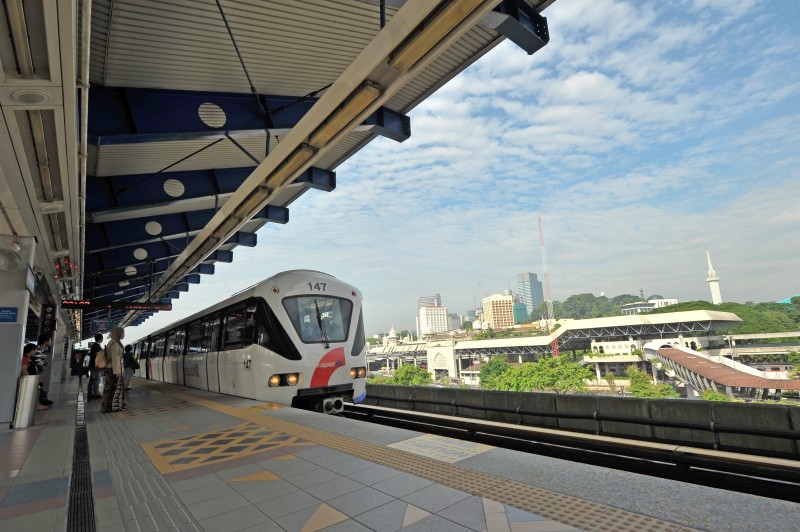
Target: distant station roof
[
  {"x": 575, "y": 332},
  {"x": 201, "y": 121},
  {"x": 723, "y": 374}
]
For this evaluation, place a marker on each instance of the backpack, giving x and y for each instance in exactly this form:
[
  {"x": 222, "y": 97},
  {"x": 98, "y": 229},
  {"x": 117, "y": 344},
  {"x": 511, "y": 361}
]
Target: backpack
[{"x": 101, "y": 361}]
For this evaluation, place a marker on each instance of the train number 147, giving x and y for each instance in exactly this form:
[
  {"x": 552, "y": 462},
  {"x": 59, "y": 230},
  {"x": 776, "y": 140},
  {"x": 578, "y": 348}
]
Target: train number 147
[{"x": 319, "y": 287}]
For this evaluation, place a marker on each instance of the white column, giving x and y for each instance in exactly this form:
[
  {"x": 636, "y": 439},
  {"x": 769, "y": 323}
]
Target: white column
[{"x": 14, "y": 298}]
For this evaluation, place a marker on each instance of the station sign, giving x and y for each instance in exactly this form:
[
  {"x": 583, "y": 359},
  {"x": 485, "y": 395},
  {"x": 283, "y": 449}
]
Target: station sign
[{"x": 112, "y": 305}]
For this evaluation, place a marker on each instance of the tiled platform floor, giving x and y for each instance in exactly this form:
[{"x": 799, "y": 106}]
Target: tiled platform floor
[{"x": 181, "y": 459}]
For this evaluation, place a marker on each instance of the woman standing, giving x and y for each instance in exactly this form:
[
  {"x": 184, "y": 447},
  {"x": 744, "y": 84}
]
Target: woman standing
[{"x": 112, "y": 374}]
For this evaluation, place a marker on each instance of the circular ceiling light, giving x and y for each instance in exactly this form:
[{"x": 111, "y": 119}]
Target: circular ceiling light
[{"x": 30, "y": 96}]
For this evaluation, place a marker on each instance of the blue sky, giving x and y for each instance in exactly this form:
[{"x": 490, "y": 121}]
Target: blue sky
[{"x": 645, "y": 132}]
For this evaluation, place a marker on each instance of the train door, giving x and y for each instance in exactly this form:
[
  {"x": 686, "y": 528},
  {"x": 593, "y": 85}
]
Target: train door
[
  {"x": 236, "y": 364},
  {"x": 157, "y": 358},
  {"x": 211, "y": 345},
  {"x": 180, "y": 348},
  {"x": 194, "y": 361},
  {"x": 169, "y": 358}
]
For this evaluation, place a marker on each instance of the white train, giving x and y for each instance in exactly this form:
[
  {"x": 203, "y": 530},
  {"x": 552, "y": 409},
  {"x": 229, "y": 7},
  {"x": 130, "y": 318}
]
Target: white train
[{"x": 294, "y": 339}]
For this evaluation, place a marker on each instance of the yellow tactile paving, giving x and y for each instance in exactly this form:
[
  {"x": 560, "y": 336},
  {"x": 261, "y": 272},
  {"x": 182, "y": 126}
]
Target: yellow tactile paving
[
  {"x": 257, "y": 477},
  {"x": 216, "y": 446},
  {"x": 576, "y": 512},
  {"x": 265, "y": 406}
]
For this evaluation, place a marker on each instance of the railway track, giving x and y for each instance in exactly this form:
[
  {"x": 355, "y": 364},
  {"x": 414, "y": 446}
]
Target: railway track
[{"x": 777, "y": 478}]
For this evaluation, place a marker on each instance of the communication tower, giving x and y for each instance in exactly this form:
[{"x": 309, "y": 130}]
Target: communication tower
[{"x": 550, "y": 316}]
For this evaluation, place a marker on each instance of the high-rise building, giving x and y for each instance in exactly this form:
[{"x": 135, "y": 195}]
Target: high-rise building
[
  {"x": 529, "y": 288},
  {"x": 498, "y": 311},
  {"x": 713, "y": 282},
  {"x": 433, "y": 320},
  {"x": 434, "y": 300}
]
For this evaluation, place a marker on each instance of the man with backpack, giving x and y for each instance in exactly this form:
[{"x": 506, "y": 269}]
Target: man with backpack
[{"x": 94, "y": 372}]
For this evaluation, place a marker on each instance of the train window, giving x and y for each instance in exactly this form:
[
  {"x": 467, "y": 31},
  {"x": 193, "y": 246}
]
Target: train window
[
  {"x": 170, "y": 344},
  {"x": 319, "y": 319},
  {"x": 180, "y": 342},
  {"x": 238, "y": 327},
  {"x": 211, "y": 333},
  {"x": 195, "y": 337},
  {"x": 158, "y": 347},
  {"x": 360, "y": 340},
  {"x": 272, "y": 335}
]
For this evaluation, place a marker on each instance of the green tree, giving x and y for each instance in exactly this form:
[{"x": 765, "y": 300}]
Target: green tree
[
  {"x": 794, "y": 358},
  {"x": 491, "y": 371},
  {"x": 404, "y": 333},
  {"x": 756, "y": 318},
  {"x": 611, "y": 379},
  {"x": 714, "y": 395},
  {"x": 641, "y": 386},
  {"x": 445, "y": 381},
  {"x": 557, "y": 374},
  {"x": 374, "y": 341},
  {"x": 624, "y": 299},
  {"x": 411, "y": 375},
  {"x": 467, "y": 325},
  {"x": 380, "y": 379}
]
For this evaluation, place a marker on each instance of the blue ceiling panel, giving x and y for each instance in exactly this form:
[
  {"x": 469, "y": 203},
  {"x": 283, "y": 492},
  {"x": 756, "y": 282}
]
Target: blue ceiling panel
[{"x": 243, "y": 239}]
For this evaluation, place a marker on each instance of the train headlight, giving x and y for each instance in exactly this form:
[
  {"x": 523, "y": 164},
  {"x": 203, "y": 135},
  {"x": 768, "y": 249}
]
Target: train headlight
[
  {"x": 362, "y": 372},
  {"x": 291, "y": 379},
  {"x": 275, "y": 380},
  {"x": 353, "y": 373}
]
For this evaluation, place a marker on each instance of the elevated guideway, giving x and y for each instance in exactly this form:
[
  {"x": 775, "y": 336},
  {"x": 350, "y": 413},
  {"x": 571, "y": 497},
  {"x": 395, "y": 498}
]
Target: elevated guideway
[{"x": 704, "y": 372}]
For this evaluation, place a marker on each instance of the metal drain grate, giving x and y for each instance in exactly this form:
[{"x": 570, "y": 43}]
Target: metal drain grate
[{"x": 80, "y": 516}]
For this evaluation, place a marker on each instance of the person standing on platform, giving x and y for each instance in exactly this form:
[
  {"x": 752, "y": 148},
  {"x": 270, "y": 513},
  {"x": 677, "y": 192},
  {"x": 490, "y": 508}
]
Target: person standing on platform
[
  {"x": 129, "y": 366},
  {"x": 113, "y": 371},
  {"x": 94, "y": 372}
]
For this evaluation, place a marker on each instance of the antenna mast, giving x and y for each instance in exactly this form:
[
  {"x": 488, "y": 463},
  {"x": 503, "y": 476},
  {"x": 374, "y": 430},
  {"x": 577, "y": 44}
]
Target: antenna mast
[{"x": 550, "y": 314}]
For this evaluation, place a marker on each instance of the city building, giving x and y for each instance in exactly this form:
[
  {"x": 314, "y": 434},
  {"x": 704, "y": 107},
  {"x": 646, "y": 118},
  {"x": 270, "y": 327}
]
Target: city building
[
  {"x": 434, "y": 300},
  {"x": 646, "y": 306},
  {"x": 433, "y": 320},
  {"x": 713, "y": 282},
  {"x": 498, "y": 311},
  {"x": 521, "y": 314},
  {"x": 453, "y": 322},
  {"x": 529, "y": 288}
]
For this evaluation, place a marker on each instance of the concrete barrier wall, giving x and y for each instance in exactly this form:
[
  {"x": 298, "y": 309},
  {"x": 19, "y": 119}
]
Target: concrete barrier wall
[{"x": 758, "y": 416}]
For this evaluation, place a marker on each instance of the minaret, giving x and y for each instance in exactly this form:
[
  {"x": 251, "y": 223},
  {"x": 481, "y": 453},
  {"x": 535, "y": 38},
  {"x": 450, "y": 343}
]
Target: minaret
[{"x": 713, "y": 282}]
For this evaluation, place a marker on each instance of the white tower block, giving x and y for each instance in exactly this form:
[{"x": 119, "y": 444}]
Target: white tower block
[{"x": 713, "y": 282}]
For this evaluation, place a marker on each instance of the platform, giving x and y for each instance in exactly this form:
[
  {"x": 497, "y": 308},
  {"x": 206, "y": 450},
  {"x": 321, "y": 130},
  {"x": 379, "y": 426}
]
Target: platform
[{"x": 182, "y": 459}]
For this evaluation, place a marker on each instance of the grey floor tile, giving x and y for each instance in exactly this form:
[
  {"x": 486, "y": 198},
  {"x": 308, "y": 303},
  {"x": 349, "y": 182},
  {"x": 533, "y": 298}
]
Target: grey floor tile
[
  {"x": 194, "y": 483},
  {"x": 212, "y": 507},
  {"x": 468, "y": 513},
  {"x": 360, "y": 501},
  {"x": 374, "y": 474},
  {"x": 386, "y": 518},
  {"x": 312, "y": 478},
  {"x": 436, "y": 523},
  {"x": 325, "y": 460},
  {"x": 351, "y": 466},
  {"x": 347, "y": 526},
  {"x": 242, "y": 471},
  {"x": 287, "y": 468},
  {"x": 236, "y": 520},
  {"x": 334, "y": 488},
  {"x": 296, "y": 520},
  {"x": 435, "y": 498},
  {"x": 213, "y": 491},
  {"x": 268, "y": 490},
  {"x": 401, "y": 485},
  {"x": 288, "y": 504}
]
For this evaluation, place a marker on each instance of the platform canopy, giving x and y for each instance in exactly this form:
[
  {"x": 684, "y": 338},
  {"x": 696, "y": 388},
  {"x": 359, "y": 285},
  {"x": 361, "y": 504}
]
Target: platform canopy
[{"x": 143, "y": 141}]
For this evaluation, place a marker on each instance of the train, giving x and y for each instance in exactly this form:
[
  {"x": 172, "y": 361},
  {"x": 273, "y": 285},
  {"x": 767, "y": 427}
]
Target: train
[{"x": 295, "y": 339}]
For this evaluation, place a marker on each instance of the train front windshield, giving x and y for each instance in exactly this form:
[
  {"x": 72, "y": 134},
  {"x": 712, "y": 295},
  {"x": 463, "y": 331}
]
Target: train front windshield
[{"x": 319, "y": 319}]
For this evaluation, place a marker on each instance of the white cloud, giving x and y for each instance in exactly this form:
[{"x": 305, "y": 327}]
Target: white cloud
[{"x": 645, "y": 132}]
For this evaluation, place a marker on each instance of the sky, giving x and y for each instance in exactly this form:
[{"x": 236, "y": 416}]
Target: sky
[{"x": 645, "y": 133}]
